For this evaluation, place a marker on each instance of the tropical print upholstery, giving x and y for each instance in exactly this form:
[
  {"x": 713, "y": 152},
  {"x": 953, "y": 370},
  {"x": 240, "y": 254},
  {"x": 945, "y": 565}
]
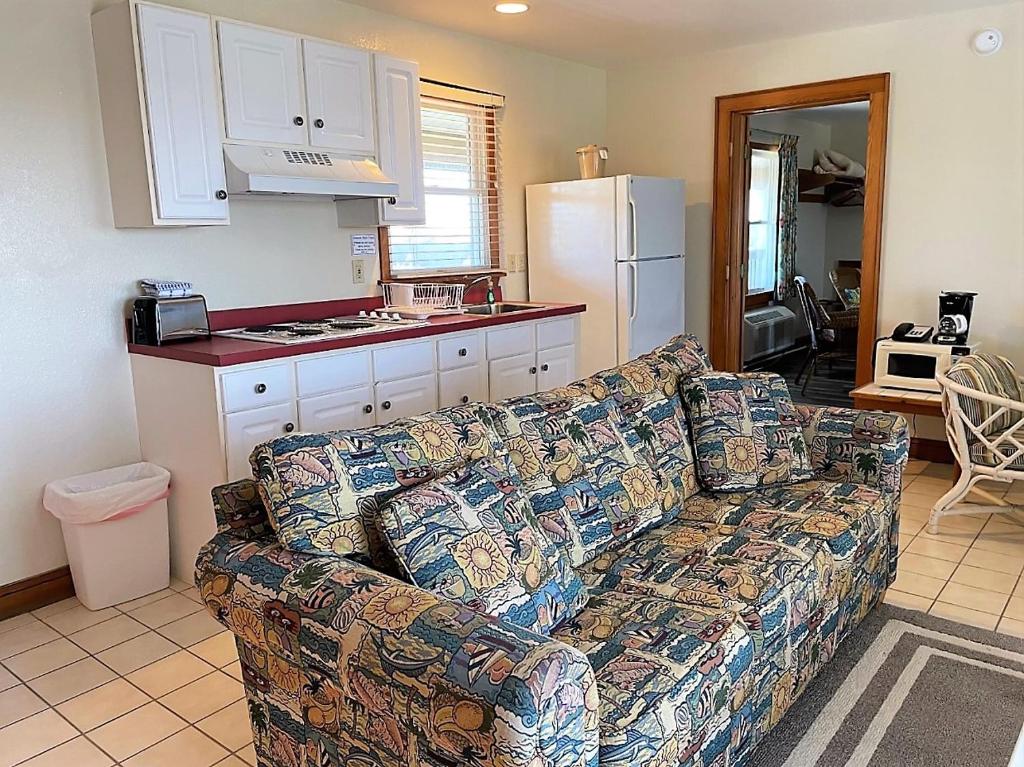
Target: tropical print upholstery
[
  {"x": 745, "y": 431},
  {"x": 471, "y": 537},
  {"x": 994, "y": 375},
  {"x": 586, "y": 484},
  {"x": 323, "y": 491}
]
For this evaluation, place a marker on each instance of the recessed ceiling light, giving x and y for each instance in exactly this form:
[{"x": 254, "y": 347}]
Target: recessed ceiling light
[{"x": 512, "y": 7}]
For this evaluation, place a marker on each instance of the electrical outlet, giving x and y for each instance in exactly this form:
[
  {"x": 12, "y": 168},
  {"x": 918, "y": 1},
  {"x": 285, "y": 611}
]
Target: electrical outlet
[
  {"x": 358, "y": 271},
  {"x": 517, "y": 262}
]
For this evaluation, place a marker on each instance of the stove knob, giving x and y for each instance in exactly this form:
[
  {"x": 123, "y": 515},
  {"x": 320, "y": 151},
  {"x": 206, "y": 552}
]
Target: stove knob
[
  {"x": 396, "y": 316},
  {"x": 362, "y": 312},
  {"x": 373, "y": 315}
]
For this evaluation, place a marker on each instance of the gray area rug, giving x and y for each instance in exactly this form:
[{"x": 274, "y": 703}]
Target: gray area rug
[{"x": 907, "y": 690}]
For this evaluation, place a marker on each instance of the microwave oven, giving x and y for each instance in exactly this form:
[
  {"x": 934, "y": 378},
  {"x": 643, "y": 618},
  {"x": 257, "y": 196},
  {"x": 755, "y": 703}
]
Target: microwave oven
[{"x": 913, "y": 366}]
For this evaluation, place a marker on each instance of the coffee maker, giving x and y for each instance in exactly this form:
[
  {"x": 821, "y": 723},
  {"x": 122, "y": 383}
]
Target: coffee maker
[{"x": 955, "y": 309}]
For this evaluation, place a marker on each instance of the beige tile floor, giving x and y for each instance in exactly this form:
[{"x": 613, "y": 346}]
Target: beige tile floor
[
  {"x": 155, "y": 682},
  {"x": 151, "y": 683}
]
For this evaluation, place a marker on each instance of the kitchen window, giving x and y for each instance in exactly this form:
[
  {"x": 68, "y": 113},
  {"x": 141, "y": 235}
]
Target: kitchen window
[
  {"x": 462, "y": 192},
  {"x": 763, "y": 220}
]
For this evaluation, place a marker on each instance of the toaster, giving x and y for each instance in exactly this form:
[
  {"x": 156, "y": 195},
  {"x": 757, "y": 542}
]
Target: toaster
[{"x": 158, "y": 321}]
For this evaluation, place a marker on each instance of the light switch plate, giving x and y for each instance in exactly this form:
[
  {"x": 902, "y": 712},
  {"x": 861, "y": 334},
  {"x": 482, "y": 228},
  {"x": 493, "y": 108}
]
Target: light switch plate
[{"x": 358, "y": 271}]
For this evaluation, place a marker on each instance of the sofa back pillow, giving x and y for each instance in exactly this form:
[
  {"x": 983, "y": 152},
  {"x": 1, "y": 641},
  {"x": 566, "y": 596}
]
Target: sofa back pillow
[
  {"x": 323, "y": 491},
  {"x": 746, "y": 431},
  {"x": 586, "y": 484},
  {"x": 471, "y": 537}
]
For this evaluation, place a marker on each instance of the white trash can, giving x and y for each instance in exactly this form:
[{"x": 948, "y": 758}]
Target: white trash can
[{"x": 115, "y": 531}]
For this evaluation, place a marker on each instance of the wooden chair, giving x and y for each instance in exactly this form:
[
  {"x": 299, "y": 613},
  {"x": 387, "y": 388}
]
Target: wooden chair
[
  {"x": 845, "y": 279},
  {"x": 828, "y": 330},
  {"x": 983, "y": 405}
]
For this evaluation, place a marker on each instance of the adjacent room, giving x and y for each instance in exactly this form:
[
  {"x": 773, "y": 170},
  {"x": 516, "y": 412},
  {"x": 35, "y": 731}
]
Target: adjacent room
[{"x": 559, "y": 383}]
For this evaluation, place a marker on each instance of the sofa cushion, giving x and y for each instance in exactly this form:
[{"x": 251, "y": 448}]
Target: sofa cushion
[
  {"x": 322, "y": 491},
  {"x": 471, "y": 537},
  {"x": 667, "y": 674},
  {"x": 746, "y": 431},
  {"x": 586, "y": 484}
]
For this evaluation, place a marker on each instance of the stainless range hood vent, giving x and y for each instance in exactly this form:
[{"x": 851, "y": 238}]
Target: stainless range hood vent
[{"x": 263, "y": 170}]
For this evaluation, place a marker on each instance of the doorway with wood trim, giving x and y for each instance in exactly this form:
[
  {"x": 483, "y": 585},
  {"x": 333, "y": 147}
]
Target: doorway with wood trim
[{"x": 797, "y": 215}]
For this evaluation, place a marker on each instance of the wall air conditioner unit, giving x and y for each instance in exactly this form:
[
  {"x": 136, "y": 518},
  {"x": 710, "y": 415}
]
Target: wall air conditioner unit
[{"x": 767, "y": 330}]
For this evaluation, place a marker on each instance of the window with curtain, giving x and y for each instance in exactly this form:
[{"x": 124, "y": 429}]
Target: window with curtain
[
  {"x": 460, "y": 167},
  {"x": 763, "y": 221}
]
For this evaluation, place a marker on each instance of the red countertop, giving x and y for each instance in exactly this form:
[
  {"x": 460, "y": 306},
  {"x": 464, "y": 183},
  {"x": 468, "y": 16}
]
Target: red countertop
[{"x": 221, "y": 352}]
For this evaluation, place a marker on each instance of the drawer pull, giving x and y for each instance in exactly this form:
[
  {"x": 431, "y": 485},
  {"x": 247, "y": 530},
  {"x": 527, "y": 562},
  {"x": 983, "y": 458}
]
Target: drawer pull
[
  {"x": 260, "y": 388},
  {"x": 289, "y": 427},
  {"x": 533, "y": 370},
  {"x": 367, "y": 408},
  {"x": 465, "y": 399},
  {"x": 463, "y": 352},
  {"x": 386, "y": 404},
  {"x": 544, "y": 368}
]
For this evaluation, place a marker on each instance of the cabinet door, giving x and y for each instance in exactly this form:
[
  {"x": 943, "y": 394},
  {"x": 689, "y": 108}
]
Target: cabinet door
[
  {"x": 399, "y": 141},
  {"x": 181, "y": 103},
  {"x": 352, "y": 409},
  {"x": 401, "y": 399},
  {"x": 513, "y": 376},
  {"x": 244, "y": 430},
  {"x": 457, "y": 387},
  {"x": 339, "y": 92},
  {"x": 262, "y": 84},
  {"x": 556, "y": 367}
]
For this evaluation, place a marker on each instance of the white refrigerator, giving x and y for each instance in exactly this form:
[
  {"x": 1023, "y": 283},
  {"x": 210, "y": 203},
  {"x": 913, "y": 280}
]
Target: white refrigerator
[{"x": 618, "y": 245}]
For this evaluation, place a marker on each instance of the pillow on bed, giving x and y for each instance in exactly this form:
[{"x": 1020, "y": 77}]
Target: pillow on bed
[
  {"x": 471, "y": 537},
  {"x": 746, "y": 431}
]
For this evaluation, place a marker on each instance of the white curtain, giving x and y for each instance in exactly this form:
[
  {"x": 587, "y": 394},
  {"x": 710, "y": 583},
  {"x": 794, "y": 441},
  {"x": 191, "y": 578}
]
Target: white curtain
[{"x": 763, "y": 220}]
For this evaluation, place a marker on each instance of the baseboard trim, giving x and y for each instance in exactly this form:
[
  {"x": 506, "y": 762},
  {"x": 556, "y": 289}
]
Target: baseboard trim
[
  {"x": 35, "y": 592},
  {"x": 934, "y": 450}
]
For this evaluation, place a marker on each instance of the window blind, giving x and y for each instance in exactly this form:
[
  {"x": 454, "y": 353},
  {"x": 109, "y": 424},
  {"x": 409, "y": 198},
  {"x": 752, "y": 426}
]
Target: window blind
[{"x": 461, "y": 169}]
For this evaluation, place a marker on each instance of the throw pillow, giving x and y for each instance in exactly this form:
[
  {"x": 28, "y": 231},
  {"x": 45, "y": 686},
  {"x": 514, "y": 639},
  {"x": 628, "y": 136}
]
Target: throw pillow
[
  {"x": 746, "y": 431},
  {"x": 471, "y": 537}
]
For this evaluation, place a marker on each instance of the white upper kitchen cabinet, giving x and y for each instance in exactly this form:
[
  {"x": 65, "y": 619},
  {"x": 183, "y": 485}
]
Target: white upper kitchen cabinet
[
  {"x": 339, "y": 95},
  {"x": 161, "y": 121},
  {"x": 262, "y": 80},
  {"x": 399, "y": 139}
]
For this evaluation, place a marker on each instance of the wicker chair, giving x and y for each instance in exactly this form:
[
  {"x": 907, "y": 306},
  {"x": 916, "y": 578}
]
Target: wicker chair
[
  {"x": 983, "y": 404},
  {"x": 846, "y": 281}
]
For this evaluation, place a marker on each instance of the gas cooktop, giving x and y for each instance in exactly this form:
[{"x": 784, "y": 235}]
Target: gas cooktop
[{"x": 308, "y": 331}]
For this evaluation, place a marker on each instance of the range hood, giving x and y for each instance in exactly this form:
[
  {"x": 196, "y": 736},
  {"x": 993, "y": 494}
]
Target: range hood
[{"x": 273, "y": 170}]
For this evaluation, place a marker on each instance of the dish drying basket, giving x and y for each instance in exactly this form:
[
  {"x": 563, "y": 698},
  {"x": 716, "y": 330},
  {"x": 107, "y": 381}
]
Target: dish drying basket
[{"x": 423, "y": 299}]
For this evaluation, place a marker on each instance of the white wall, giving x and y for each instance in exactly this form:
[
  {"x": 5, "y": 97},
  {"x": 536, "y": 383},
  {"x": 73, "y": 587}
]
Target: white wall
[
  {"x": 953, "y": 187},
  {"x": 67, "y": 273},
  {"x": 846, "y": 225}
]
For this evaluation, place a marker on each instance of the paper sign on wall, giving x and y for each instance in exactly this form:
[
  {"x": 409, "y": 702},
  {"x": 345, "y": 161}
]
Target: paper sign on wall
[{"x": 364, "y": 245}]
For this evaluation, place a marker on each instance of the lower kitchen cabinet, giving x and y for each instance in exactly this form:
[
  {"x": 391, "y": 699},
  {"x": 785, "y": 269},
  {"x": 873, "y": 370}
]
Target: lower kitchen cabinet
[
  {"x": 352, "y": 409},
  {"x": 406, "y": 397},
  {"x": 458, "y": 387},
  {"x": 556, "y": 367},
  {"x": 513, "y": 376},
  {"x": 248, "y": 428}
]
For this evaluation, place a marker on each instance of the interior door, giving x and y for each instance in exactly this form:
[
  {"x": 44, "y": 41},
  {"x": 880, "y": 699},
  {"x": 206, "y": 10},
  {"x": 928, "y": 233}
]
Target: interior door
[
  {"x": 181, "y": 101},
  {"x": 262, "y": 81},
  {"x": 339, "y": 91},
  {"x": 650, "y": 304}
]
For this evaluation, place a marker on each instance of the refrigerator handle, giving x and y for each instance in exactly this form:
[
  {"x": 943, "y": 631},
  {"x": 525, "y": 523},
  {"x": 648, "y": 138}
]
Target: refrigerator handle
[
  {"x": 634, "y": 296},
  {"x": 632, "y": 228}
]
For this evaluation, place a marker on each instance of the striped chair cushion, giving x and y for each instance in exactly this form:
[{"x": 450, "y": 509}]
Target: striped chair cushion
[{"x": 991, "y": 374}]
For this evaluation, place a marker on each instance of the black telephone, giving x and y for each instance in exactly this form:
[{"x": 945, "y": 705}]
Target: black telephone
[{"x": 908, "y": 331}]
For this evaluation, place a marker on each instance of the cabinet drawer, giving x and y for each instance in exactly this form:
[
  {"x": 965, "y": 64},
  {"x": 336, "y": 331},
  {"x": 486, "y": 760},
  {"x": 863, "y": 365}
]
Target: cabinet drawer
[
  {"x": 458, "y": 351},
  {"x": 458, "y": 387},
  {"x": 257, "y": 387},
  {"x": 243, "y": 431},
  {"x": 327, "y": 374},
  {"x": 403, "y": 361},
  {"x": 553, "y": 333},
  {"x": 510, "y": 341}
]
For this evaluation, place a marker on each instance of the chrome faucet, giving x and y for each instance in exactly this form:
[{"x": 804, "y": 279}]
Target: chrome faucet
[{"x": 490, "y": 287}]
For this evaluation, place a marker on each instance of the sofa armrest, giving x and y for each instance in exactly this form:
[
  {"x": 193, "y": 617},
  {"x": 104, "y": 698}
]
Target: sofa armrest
[
  {"x": 428, "y": 672},
  {"x": 862, "y": 446}
]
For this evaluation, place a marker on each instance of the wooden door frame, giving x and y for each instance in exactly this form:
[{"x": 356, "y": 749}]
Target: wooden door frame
[{"x": 730, "y": 187}]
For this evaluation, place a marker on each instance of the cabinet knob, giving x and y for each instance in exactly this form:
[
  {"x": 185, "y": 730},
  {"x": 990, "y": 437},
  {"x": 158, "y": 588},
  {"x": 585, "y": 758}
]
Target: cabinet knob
[
  {"x": 222, "y": 194},
  {"x": 298, "y": 120},
  {"x": 386, "y": 404},
  {"x": 465, "y": 399},
  {"x": 318, "y": 123},
  {"x": 544, "y": 368},
  {"x": 367, "y": 408},
  {"x": 463, "y": 352},
  {"x": 289, "y": 427},
  {"x": 533, "y": 370},
  {"x": 260, "y": 388}
]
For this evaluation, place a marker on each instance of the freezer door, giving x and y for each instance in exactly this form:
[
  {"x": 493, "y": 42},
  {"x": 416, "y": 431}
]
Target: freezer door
[
  {"x": 653, "y": 212},
  {"x": 650, "y": 304}
]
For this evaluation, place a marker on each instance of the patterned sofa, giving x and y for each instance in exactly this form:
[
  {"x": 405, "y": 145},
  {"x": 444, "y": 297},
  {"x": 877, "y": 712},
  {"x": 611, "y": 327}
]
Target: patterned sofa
[{"x": 708, "y": 614}]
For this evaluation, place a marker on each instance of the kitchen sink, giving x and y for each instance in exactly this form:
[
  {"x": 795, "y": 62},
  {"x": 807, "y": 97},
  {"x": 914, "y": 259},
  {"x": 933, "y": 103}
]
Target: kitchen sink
[{"x": 496, "y": 309}]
